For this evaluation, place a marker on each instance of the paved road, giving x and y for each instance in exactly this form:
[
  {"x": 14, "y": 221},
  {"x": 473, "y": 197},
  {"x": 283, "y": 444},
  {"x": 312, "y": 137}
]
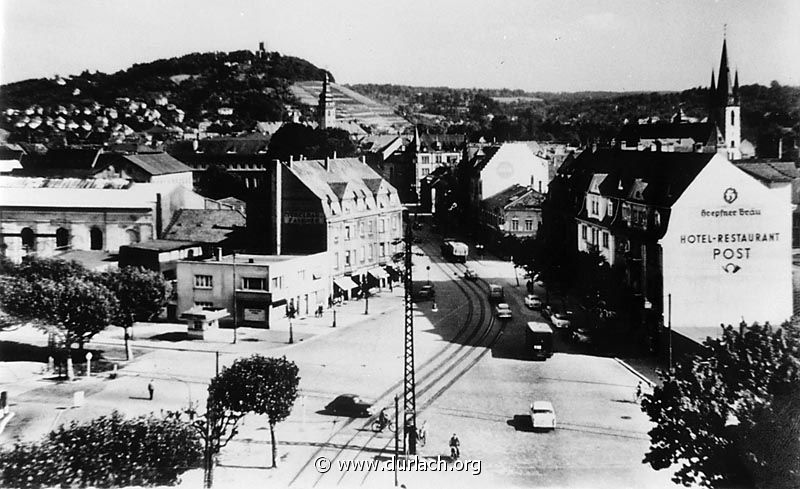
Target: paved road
[{"x": 479, "y": 386}]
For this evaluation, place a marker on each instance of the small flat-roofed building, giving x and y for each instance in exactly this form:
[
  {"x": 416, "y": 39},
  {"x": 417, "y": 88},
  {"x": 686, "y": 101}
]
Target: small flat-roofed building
[{"x": 258, "y": 289}]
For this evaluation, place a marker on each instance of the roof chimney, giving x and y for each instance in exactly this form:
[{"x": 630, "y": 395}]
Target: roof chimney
[
  {"x": 326, "y": 164},
  {"x": 291, "y": 160},
  {"x": 363, "y": 159},
  {"x": 334, "y": 155}
]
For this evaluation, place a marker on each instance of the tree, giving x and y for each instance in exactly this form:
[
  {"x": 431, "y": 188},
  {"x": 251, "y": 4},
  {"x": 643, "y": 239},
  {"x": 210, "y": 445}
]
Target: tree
[
  {"x": 260, "y": 385},
  {"x": 216, "y": 427},
  {"x": 81, "y": 309},
  {"x": 141, "y": 294},
  {"x": 109, "y": 451},
  {"x": 730, "y": 415}
]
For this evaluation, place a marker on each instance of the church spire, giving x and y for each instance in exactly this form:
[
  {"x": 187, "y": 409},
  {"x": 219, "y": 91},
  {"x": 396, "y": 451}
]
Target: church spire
[
  {"x": 326, "y": 110},
  {"x": 736, "y": 88},
  {"x": 724, "y": 85}
]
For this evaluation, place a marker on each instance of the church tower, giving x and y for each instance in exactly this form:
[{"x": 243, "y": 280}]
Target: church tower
[
  {"x": 326, "y": 110},
  {"x": 726, "y": 110}
]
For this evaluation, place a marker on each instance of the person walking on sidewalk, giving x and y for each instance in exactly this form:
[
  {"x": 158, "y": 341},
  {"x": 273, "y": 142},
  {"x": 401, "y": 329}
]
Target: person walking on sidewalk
[{"x": 150, "y": 389}]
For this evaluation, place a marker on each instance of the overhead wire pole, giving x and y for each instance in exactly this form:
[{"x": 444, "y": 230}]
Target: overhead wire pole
[{"x": 409, "y": 382}]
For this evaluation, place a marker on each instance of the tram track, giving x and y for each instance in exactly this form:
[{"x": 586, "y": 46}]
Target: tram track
[
  {"x": 439, "y": 378},
  {"x": 430, "y": 367}
]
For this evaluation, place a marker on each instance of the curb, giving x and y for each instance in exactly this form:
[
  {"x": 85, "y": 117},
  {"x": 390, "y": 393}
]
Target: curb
[
  {"x": 635, "y": 372},
  {"x": 4, "y": 421}
]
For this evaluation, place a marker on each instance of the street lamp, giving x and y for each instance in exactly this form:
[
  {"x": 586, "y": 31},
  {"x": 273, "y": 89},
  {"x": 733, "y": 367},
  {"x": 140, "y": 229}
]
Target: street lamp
[
  {"x": 365, "y": 288},
  {"x": 291, "y": 332},
  {"x": 428, "y": 268}
]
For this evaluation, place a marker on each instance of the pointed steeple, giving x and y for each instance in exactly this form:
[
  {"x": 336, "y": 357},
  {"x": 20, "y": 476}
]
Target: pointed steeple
[
  {"x": 724, "y": 84},
  {"x": 736, "y": 88},
  {"x": 326, "y": 110},
  {"x": 416, "y": 138}
]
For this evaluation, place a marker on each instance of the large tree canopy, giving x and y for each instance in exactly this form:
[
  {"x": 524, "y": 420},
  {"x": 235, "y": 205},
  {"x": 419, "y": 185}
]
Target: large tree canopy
[
  {"x": 259, "y": 385},
  {"x": 732, "y": 414}
]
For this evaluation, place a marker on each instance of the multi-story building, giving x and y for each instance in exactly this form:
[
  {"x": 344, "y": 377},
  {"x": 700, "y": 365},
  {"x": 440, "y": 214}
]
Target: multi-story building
[
  {"x": 244, "y": 157},
  {"x": 338, "y": 205},
  {"x": 258, "y": 289},
  {"x": 433, "y": 151},
  {"x": 701, "y": 242},
  {"x": 514, "y": 212}
]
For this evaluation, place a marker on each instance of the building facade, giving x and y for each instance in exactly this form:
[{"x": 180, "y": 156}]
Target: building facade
[
  {"x": 257, "y": 289},
  {"x": 700, "y": 241},
  {"x": 337, "y": 205}
]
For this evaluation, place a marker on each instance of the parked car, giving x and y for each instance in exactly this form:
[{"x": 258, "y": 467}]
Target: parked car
[
  {"x": 503, "y": 311},
  {"x": 532, "y": 301},
  {"x": 543, "y": 415},
  {"x": 470, "y": 274},
  {"x": 426, "y": 292},
  {"x": 349, "y": 405},
  {"x": 581, "y": 335},
  {"x": 496, "y": 293},
  {"x": 560, "y": 320}
]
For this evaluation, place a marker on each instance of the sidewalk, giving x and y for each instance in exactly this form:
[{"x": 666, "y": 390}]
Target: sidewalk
[{"x": 33, "y": 392}]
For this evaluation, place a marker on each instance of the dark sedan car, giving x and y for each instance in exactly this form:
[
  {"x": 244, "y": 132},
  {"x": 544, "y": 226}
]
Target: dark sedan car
[{"x": 349, "y": 405}]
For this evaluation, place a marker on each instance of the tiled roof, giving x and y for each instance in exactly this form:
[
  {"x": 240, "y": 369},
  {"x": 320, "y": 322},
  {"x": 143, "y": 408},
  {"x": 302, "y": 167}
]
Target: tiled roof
[
  {"x": 203, "y": 225},
  {"x": 769, "y": 171},
  {"x": 667, "y": 174},
  {"x": 163, "y": 245},
  {"x": 698, "y": 131},
  {"x": 151, "y": 163},
  {"x": 341, "y": 175},
  {"x": 504, "y": 197}
]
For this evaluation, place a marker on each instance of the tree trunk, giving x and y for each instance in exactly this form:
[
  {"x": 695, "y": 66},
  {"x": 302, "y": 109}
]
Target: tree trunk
[
  {"x": 208, "y": 466},
  {"x": 274, "y": 445},
  {"x": 127, "y": 346}
]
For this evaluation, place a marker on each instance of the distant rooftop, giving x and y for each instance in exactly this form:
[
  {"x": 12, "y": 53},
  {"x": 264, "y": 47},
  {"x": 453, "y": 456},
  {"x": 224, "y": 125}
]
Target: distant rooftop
[{"x": 163, "y": 245}]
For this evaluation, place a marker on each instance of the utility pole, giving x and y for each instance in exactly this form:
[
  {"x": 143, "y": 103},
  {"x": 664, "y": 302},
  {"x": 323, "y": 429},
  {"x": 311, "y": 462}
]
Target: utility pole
[
  {"x": 669, "y": 331},
  {"x": 409, "y": 382},
  {"x": 396, "y": 436},
  {"x": 235, "y": 313}
]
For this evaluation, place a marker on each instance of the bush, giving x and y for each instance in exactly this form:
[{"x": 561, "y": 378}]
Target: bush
[{"x": 109, "y": 451}]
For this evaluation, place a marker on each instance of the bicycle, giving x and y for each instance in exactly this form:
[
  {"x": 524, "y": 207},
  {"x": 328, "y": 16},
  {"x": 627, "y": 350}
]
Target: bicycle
[{"x": 377, "y": 426}]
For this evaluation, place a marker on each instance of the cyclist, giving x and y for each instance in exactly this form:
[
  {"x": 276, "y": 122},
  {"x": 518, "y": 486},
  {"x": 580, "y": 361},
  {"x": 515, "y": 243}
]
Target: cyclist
[
  {"x": 383, "y": 420},
  {"x": 455, "y": 445}
]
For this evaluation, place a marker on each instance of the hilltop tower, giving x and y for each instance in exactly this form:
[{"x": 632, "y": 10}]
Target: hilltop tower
[
  {"x": 725, "y": 108},
  {"x": 326, "y": 110}
]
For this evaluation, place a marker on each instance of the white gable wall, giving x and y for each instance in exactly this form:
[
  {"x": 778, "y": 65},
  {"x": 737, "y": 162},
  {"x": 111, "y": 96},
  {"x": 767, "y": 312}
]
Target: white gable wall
[
  {"x": 513, "y": 163},
  {"x": 727, "y": 251}
]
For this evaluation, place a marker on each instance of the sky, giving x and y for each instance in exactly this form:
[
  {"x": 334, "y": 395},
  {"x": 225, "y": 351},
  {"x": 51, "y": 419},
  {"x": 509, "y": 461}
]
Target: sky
[{"x": 534, "y": 45}]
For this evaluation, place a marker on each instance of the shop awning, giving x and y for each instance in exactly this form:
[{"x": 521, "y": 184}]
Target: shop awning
[
  {"x": 345, "y": 283},
  {"x": 378, "y": 273}
]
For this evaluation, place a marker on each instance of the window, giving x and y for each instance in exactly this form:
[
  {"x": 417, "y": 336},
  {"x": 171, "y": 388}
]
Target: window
[
  {"x": 438, "y": 158},
  {"x": 595, "y": 207},
  {"x": 277, "y": 283},
  {"x": 425, "y": 159},
  {"x": 372, "y": 252},
  {"x": 95, "y": 239},
  {"x": 583, "y": 231},
  {"x": 657, "y": 218},
  {"x": 254, "y": 283},
  {"x": 301, "y": 275},
  {"x": 610, "y": 208},
  {"x": 733, "y": 120},
  {"x": 383, "y": 250},
  {"x": 515, "y": 224},
  {"x": 336, "y": 260},
  {"x": 425, "y": 172},
  {"x": 346, "y": 233},
  {"x": 203, "y": 281},
  {"x": 371, "y": 229},
  {"x": 62, "y": 238},
  {"x": 363, "y": 254},
  {"x": 733, "y": 143},
  {"x": 605, "y": 240},
  {"x": 347, "y": 258},
  {"x": 382, "y": 226},
  {"x": 528, "y": 224},
  {"x": 394, "y": 223},
  {"x": 28, "y": 238},
  {"x": 361, "y": 229},
  {"x": 594, "y": 236}
]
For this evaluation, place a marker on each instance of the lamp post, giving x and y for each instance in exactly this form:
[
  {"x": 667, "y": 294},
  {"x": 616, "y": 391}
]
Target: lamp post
[
  {"x": 291, "y": 315},
  {"x": 365, "y": 288},
  {"x": 334, "y": 318}
]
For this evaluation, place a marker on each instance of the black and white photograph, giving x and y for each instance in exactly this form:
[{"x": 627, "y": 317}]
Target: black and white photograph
[{"x": 400, "y": 244}]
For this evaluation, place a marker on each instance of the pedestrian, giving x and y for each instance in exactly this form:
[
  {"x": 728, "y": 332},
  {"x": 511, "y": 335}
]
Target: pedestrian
[
  {"x": 151, "y": 389},
  {"x": 638, "y": 392}
]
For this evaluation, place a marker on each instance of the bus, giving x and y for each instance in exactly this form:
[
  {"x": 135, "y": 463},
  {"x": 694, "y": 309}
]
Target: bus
[
  {"x": 539, "y": 339},
  {"x": 455, "y": 251}
]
